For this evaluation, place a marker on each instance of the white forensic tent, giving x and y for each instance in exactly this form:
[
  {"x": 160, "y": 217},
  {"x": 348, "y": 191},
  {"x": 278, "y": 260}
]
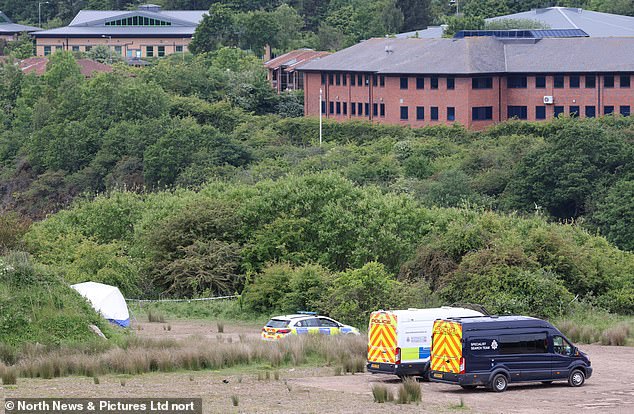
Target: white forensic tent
[{"x": 106, "y": 300}]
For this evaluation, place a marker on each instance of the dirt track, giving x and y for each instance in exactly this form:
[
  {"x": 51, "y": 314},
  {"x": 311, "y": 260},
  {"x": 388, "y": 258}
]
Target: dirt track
[{"x": 316, "y": 390}]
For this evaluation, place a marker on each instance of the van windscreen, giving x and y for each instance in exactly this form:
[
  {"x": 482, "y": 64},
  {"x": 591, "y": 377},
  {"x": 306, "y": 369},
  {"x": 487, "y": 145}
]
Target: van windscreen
[{"x": 277, "y": 323}]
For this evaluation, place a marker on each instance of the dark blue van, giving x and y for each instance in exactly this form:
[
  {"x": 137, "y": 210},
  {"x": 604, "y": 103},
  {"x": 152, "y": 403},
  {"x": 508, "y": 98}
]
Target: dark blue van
[{"x": 494, "y": 351}]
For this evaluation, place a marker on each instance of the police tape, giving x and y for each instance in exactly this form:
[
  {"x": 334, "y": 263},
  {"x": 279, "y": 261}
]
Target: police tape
[
  {"x": 183, "y": 300},
  {"x": 103, "y": 405}
]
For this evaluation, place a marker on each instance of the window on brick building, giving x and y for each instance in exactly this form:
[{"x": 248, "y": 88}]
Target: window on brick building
[
  {"x": 323, "y": 107},
  {"x": 558, "y": 81},
  {"x": 360, "y": 109},
  {"x": 331, "y": 107},
  {"x": 433, "y": 82},
  {"x": 625, "y": 81},
  {"x": 433, "y": 113},
  {"x": 382, "y": 110},
  {"x": 360, "y": 80},
  {"x": 540, "y": 82},
  {"x": 404, "y": 112},
  {"x": 420, "y": 83},
  {"x": 338, "y": 79},
  {"x": 404, "y": 82},
  {"x": 625, "y": 110},
  {"x": 353, "y": 108},
  {"x": 451, "y": 113},
  {"x": 573, "y": 81},
  {"x": 149, "y": 51},
  {"x": 591, "y": 111},
  {"x": 366, "y": 108},
  {"x": 608, "y": 81},
  {"x": 451, "y": 83},
  {"x": 574, "y": 111},
  {"x": 375, "y": 80},
  {"x": 353, "y": 79},
  {"x": 344, "y": 79},
  {"x": 559, "y": 110},
  {"x": 608, "y": 109},
  {"x": 345, "y": 108},
  {"x": 161, "y": 51},
  {"x": 47, "y": 50},
  {"x": 323, "y": 78},
  {"x": 382, "y": 80},
  {"x": 331, "y": 78},
  {"x": 482, "y": 83},
  {"x": 338, "y": 106},
  {"x": 481, "y": 113},
  {"x": 420, "y": 113},
  {"x": 516, "y": 82},
  {"x": 519, "y": 112},
  {"x": 367, "y": 80},
  {"x": 375, "y": 109},
  {"x": 540, "y": 112},
  {"x": 591, "y": 81}
]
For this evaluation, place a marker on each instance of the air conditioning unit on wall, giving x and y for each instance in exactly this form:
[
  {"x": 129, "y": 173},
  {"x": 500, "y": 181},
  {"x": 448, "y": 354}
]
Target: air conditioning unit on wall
[{"x": 549, "y": 100}]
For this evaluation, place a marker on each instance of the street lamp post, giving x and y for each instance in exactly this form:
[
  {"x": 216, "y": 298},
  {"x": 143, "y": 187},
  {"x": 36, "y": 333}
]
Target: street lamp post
[
  {"x": 320, "y": 112},
  {"x": 39, "y": 12},
  {"x": 109, "y": 47}
]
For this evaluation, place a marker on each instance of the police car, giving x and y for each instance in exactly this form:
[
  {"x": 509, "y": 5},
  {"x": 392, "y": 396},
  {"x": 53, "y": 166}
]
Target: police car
[{"x": 304, "y": 323}]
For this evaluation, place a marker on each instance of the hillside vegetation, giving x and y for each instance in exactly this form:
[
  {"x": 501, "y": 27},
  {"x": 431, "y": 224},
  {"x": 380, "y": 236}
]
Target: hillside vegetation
[
  {"x": 39, "y": 308},
  {"x": 192, "y": 178}
]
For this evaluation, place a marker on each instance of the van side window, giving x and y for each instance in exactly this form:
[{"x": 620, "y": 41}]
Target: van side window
[
  {"x": 523, "y": 344},
  {"x": 561, "y": 346}
]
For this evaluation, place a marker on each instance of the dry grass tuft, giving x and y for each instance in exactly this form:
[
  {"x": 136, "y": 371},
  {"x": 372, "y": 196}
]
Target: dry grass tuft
[
  {"x": 381, "y": 393},
  {"x": 221, "y": 326},
  {"x": 409, "y": 391},
  {"x": 155, "y": 316},
  {"x": 234, "y": 400},
  {"x": 9, "y": 375},
  {"x": 617, "y": 335}
]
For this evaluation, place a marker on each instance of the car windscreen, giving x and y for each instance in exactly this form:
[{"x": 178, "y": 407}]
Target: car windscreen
[{"x": 277, "y": 323}]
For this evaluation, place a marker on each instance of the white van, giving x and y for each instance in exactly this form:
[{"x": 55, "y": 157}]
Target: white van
[{"x": 399, "y": 341}]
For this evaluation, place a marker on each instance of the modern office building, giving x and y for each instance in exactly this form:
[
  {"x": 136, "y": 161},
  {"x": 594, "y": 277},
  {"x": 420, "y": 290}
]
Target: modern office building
[
  {"x": 146, "y": 32},
  {"x": 281, "y": 69},
  {"x": 475, "y": 81},
  {"x": 10, "y": 31}
]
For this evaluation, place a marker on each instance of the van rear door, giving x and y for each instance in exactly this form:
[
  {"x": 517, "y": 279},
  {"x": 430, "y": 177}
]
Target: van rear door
[
  {"x": 382, "y": 338},
  {"x": 446, "y": 349}
]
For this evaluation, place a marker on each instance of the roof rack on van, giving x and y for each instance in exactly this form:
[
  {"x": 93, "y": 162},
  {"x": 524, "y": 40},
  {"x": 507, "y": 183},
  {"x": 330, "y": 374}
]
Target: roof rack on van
[
  {"x": 473, "y": 306},
  {"x": 306, "y": 313}
]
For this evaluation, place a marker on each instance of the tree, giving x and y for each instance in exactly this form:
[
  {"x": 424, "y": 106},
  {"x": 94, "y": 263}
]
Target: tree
[
  {"x": 216, "y": 29},
  {"x": 60, "y": 67},
  {"x": 614, "y": 214},
  {"x": 103, "y": 54},
  {"x": 416, "y": 13},
  {"x": 258, "y": 29},
  {"x": 21, "y": 48}
]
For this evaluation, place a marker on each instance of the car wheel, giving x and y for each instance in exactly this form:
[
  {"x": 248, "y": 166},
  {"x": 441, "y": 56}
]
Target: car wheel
[
  {"x": 576, "y": 378},
  {"x": 499, "y": 383},
  {"x": 469, "y": 387}
]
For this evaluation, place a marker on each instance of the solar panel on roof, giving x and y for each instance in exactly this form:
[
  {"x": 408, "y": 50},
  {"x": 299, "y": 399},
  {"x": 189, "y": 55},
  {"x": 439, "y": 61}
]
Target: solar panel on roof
[{"x": 522, "y": 34}]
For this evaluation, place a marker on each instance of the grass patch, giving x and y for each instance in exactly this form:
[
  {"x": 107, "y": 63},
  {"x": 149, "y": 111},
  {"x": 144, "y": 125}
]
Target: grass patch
[
  {"x": 409, "y": 392},
  {"x": 459, "y": 406},
  {"x": 235, "y": 400},
  {"x": 587, "y": 325},
  {"x": 220, "y": 326},
  {"x": 9, "y": 375},
  {"x": 226, "y": 310},
  {"x": 381, "y": 393},
  {"x": 155, "y": 316}
]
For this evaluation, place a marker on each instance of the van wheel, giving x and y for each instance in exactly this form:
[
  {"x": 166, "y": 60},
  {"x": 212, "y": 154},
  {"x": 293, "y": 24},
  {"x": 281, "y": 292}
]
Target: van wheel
[
  {"x": 499, "y": 383},
  {"x": 576, "y": 378},
  {"x": 469, "y": 387}
]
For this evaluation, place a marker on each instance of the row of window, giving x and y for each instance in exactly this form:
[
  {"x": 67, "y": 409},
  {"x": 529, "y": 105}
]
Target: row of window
[
  {"x": 356, "y": 108},
  {"x": 138, "y": 21},
  {"x": 478, "y": 113},
  {"x": 482, "y": 82},
  {"x": 521, "y": 112},
  {"x": 574, "y": 81},
  {"x": 355, "y": 79},
  {"x": 149, "y": 50}
]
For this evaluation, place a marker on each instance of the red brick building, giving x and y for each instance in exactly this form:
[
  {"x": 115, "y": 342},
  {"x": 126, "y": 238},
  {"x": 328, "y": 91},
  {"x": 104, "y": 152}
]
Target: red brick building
[
  {"x": 281, "y": 69},
  {"x": 476, "y": 82}
]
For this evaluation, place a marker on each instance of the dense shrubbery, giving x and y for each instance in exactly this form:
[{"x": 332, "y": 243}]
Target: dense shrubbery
[{"x": 320, "y": 242}]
